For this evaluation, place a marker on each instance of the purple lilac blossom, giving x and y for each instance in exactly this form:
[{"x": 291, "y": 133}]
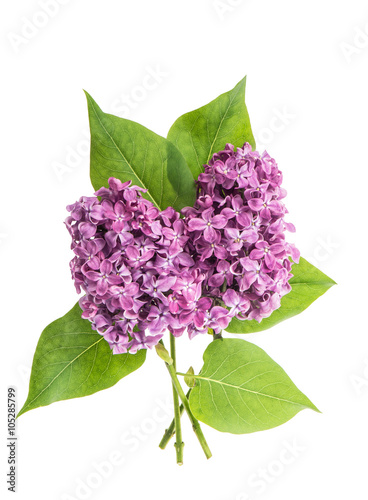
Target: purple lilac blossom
[{"x": 145, "y": 271}]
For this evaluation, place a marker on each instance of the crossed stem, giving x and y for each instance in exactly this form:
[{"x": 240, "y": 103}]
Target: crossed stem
[
  {"x": 179, "y": 445},
  {"x": 170, "y": 431},
  {"x": 176, "y": 426}
]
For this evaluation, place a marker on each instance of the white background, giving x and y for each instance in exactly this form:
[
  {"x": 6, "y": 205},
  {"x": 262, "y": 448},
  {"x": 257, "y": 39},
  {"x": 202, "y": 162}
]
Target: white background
[{"x": 306, "y": 62}]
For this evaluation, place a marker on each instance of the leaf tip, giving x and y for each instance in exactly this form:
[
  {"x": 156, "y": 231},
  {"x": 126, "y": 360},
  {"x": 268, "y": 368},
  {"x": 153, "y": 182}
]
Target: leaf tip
[
  {"x": 21, "y": 411},
  {"x": 317, "y": 410},
  {"x": 312, "y": 406},
  {"x": 90, "y": 100}
]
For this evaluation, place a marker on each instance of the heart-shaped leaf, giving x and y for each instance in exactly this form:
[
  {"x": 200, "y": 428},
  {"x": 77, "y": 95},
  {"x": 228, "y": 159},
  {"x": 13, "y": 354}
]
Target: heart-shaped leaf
[
  {"x": 125, "y": 149},
  {"x": 240, "y": 389},
  {"x": 72, "y": 360},
  {"x": 201, "y": 133},
  {"x": 308, "y": 283}
]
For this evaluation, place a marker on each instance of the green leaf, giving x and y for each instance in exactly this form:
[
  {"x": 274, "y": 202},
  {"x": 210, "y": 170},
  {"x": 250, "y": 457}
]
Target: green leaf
[
  {"x": 72, "y": 360},
  {"x": 205, "y": 131},
  {"x": 307, "y": 284},
  {"x": 240, "y": 389},
  {"x": 128, "y": 151}
]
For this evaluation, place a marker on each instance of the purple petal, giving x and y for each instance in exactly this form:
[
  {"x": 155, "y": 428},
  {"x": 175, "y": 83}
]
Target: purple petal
[
  {"x": 102, "y": 287},
  {"x": 117, "y": 185},
  {"x": 168, "y": 233},
  {"x": 126, "y": 238},
  {"x": 265, "y": 213},
  {"x": 97, "y": 212},
  {"x": 106, "y": 267},
  {"x": 256, "y": 254},
  {"x": 243, "y": 219},
  {"x": 197, "y": 225},
  {"x": 114, "y": 279},
  {"x": 231, "y": 298},
  {"x": 126, "y": 302},
  {"x": 199, "y": 318},
  {"x": 81, "y": 252},
  {"x": 185, "y": 259},
  {"x": 94, "y": 263},
  {"x": 132, "y": 253},
  {"x": 219, "y": 221},
  {"x": 276, "y": 207},
  {"x": 204, "y": 303},
  {"x": 216, "y": 280},
  {"x": 248, "y": 264},
  {"x": 119, "y": 208},
  {"x": 277, "y": 249},
  {"x": 210, "y": 234},
  {"x": 218, "y": 312},
  {"x": 111, "y": 237},
  {"x": 178, "y": 226},
  {"x": 232, "y": 233},
  {"x": 220, "y": 252},
  {"x": 249, "y": 235},
  {"x": 270, "y": 260},
  {"x": 131, "y": 289},
  {"x": 223, "y": 265},
  {"x": 166, "y": 283},
  {"x": 228, "y": 213},
  {"x": 249, "y": 278},
  {"x": 87, "y": 229},
  {"x": 93, "y": 276},
  {"x": 256, "y": 204},
  {"x": 99, "y": 244}
]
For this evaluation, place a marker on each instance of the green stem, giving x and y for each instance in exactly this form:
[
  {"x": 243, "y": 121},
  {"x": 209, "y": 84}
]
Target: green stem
[
  {"x": 170, "y": 431},
  {"x": 195, "y": 424},
  {"x": 179, "y": 445}
]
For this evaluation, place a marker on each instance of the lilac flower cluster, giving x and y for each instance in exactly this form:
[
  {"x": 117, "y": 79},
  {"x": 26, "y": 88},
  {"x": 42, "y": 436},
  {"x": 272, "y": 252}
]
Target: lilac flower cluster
[
  {"x": 134, "y": 264},
  {"x": 237, "y": 229},
  {"x": 145, "y": 271}
]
